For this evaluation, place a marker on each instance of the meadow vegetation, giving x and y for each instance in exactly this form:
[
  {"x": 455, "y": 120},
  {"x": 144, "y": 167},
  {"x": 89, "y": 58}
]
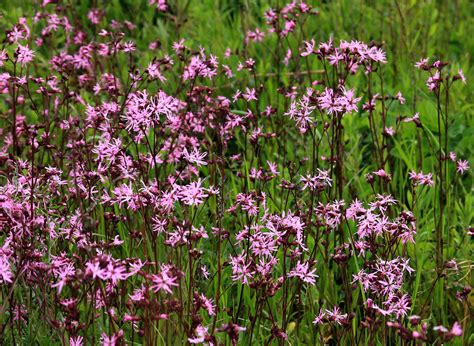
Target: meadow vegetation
[{"x": 236, "y": 172}]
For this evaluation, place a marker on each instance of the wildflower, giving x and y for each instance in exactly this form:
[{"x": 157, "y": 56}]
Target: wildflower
[
  {"x": 440, "y": 329},
  {"x": 240, "y": 269},
  {"x": 421, "y": 179},
  {"x": 331, "y": 213},
  {"x": 422, "y": 63},
  {"x": 129, "y": 47},
  {"x": 24, "y": 54},
  {"x": 6, "y": 274},
  {"x": 289, "y": 26},
  {"x": 200, "y": 334},
  {"x": 415, "y": 118},
  {"x": 456, "y": 330},
  {"x": 262, "y": 244},
  {"x": 77, "y": 341},
  {"x": 462, "y": 166},
  {"x": 389, "y": 131},
  {"x": 158, "y": 224},
  {"x": 163, "y": 281},
  {"x": 161, "y": 5},
  {"x": 288, "y": 55},
  {"x": 400, "y": 98},
  {"x": 452, "y": 264},
  {"x": 192, "y": 194},
  {"x": 273, "y": 168},
  {"x": 112, "y": 340},
  {"x": 93, "y": 269},
  {"x": 303, "y": 272},
  {"x": 300, "y": 111},
  {"x": 348, "y": 101},
  {"x": 64, "y": 274},
  {"x": 382, "y": 174},
  {"x": 331, "y": 316},
  {"x": 320, "y": 318},
  {"x": 94, "y": 16},
  {"x": 433, "y": 81},
  {"x": 317, "y": 182},
  {"x": 3, "y": 56},
  {"x": 255, "y": 36},
  {"x": 309, "y": 48},
  {"x": 336, "y": 315},
  {"x": 154, "y": 72},
  {"x": 208, "y": 304},
  {"x": 249, "y": 95},
  {"x": 335, "y": 58},
  {"x": 195, "y": 157},
  {"x": 116, "y": 272},
  {"x": 204, "y": 272},
  {"x": 461, "y": 75}
]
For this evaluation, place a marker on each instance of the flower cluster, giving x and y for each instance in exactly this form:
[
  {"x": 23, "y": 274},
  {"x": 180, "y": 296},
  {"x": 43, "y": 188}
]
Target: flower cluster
[{"x": 181, "y": 195}]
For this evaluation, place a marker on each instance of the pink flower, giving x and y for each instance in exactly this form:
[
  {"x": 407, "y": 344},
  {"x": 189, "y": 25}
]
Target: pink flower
[
  {"x": 329, "y": 102},
  {"x": 400, "y": 98},
  {"x": 249, "y": 94},
  {"x": 452, "y": 156},
  {"x": 462, "y": 166},
  {"x": 200, "y": 334},
  {"x": 376, "y": 54},
  {"x": 316, "y": 182},
  {"x": 208, "y": 304},
  {"x": 461, "y": 75},
  {"x": 456, "y": 330},
  {"x": 382, "y": 174},
  {"x": 303, "y": 272},
  {"x": 112, "y": 340},
  {"x": 255, "y": 36},
  {"x": 433, "y": 81},
  {"x": 273, "y": 167},
  {"x": 262, "y": 244},
  {"x": 308, "y": 48},
  {"x": 94, "y": 16},
  {"x": 64, "y": 274},
  {"x": 129, "y": 47},
  {"x": 300, "y": 112},
  {"x": 24, "y": 54},
  {"x": 421, "y": 63},
  {"x": 77, "y": 341},
  {"x": 336, "y": 315},
  {"x": 389, "y": 131},
  {"x": 154, "y": 72},
  {"x": 415, "y": 118},
  {"x": 195, "y": 157},
  {"x": 320, "y": 318},
  {"x": 163, "y": 281},
  {"x": 192, "y": 194},
  {"x": 3, "y": 56},
  {"x": 93, "y": 269},
  {"x": 5, "y": 270},
  {"x": 288, "y": 55},
  {"x": 115, "y": 273},
  {"x": 240, "y": 269},
  {"x": 335, "y": 57},
  {"x": 421, "y": 179},
  {"x": 160, "y": 4},
  {"x": 333, "y": 315}
]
